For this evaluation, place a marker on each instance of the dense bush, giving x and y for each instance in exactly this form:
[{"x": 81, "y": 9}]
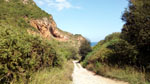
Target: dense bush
[
  {"x": 22, "y": 54},
  {"x": 122, "y": 53},
  {"x": 113, "y": 51}
]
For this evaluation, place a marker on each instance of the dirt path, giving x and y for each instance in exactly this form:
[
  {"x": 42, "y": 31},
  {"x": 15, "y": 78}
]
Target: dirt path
[{"x": 83, "y": 76}]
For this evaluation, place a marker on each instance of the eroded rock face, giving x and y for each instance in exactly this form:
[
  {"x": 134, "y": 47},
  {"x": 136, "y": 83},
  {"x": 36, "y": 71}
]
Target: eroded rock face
[
  {"x": 43, "y": 27},
  {"x": 48, "y": 28},
  {"x": 79, "y": 39}
]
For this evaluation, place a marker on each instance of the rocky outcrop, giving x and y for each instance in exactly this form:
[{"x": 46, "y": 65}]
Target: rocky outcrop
[{"x": 48, "y": 28}]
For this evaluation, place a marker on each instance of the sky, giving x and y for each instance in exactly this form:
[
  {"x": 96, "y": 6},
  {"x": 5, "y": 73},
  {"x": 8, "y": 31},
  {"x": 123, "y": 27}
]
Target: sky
[{"x": 94, "y": 19}]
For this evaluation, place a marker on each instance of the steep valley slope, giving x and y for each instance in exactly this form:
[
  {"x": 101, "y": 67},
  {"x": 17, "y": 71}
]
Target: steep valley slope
[{"x": 26, "y": 14}]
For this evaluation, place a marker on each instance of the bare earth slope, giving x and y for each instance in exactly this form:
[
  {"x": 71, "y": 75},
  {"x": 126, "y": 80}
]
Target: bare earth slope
[{"x": 83, "y": 76}]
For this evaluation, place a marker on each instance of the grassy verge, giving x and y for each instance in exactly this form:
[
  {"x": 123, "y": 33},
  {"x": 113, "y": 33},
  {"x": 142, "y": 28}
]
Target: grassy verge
[
  {"x": 127, "y": 74},
  {"x": 54, "y": 75}
]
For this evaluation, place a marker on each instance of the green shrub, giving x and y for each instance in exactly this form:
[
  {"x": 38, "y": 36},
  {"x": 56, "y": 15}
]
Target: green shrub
[
  {"x": 22, "y": 54},
  {"x": 122, "y": 53}
]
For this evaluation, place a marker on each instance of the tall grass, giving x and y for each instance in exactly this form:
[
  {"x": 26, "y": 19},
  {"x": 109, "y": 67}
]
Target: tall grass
[
  {"x": 54, "y": 76},
  {"x": 128, "y": 74}
]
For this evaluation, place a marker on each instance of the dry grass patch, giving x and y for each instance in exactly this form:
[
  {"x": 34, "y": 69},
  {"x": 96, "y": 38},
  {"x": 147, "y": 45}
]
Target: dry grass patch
[
  {"x": 54, "y": 76},
  {"x": 128, "y": 74}
]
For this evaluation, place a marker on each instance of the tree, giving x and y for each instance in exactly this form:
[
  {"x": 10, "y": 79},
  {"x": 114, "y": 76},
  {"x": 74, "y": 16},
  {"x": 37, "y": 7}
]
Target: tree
[
  {"x": 84, "y": 49},
  {"x": 137, "y": 28}
]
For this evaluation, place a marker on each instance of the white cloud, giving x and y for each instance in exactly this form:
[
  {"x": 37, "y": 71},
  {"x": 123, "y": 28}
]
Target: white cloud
[{"x": 58, "y": 4}]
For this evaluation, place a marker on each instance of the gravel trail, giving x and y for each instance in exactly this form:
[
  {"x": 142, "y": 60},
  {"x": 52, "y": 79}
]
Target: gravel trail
[{"x": 83, "y": 76}]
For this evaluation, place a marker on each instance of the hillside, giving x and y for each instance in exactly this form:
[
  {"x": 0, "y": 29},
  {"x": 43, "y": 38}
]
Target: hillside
[
  {"x": 30, "y": 41},
  {"x": 25, "y": 14},
  {"x": 113, "y": 57}
]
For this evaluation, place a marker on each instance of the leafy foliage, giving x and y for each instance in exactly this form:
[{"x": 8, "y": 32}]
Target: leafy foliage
[
  {"x": 21, "y": 54},
  {"x": 137, "y": 29}
]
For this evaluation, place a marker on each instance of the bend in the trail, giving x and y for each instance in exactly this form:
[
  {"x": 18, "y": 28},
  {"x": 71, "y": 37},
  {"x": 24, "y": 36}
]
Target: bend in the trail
[{"x": 83, "y": 76}]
